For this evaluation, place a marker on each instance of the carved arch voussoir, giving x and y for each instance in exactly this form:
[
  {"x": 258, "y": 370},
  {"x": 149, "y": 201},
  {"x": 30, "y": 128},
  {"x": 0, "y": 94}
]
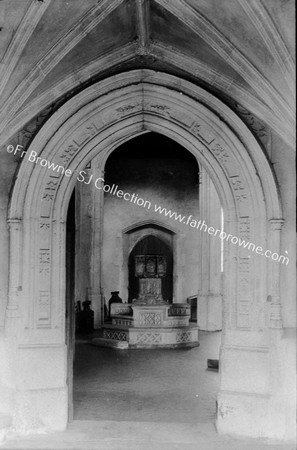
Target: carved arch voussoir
[{"x": 92, "y": 124}]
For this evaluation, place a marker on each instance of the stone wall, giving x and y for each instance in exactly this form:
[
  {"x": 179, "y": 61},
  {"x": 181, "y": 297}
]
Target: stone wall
[
  {"x": 256, "y": 398},
  {"x": 171, "y": 183}
]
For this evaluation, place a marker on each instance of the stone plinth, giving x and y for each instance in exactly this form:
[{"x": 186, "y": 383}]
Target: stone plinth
[
  {"x": 158, "y": 325},
  {"x": 163, "y": 337},
  {"x": 150, "y": 337}
]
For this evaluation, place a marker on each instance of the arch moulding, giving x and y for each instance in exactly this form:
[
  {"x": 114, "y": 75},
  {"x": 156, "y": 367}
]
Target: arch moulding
[{"x": 93, "y": 124}]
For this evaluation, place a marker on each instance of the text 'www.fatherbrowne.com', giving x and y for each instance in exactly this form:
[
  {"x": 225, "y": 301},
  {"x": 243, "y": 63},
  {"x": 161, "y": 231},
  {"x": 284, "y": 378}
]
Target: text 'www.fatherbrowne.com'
[
  {"x": 202, "y": 226},
  {"x": 134, "y": 198}
]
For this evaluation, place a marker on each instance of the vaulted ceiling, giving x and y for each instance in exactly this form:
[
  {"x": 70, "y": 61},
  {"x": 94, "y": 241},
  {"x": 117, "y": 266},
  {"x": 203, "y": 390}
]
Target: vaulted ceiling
[{"x": 241, "y": 50}]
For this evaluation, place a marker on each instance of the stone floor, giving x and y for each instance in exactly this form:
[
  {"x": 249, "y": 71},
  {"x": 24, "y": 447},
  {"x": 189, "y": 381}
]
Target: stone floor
[
  {"x": 160, "y": 385},
  {"x": 110, "y": 435},
  {"x": 143, "y": 399}
]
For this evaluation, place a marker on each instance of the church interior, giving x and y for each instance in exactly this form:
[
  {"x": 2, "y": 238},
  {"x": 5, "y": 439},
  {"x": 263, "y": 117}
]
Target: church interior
[{"x": 148, "y": 226}]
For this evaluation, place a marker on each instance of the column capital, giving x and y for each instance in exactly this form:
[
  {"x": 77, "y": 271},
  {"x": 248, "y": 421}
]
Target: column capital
[
  {"x": 276, "y": 224},
  {"x": 14, "y": 222}
]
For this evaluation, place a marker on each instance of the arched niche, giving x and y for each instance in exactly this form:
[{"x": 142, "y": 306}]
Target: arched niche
[
  {"x": 132, "y": 239},
  {"x": 93, "y": 124},
  {"x": 151, "y": 248}
]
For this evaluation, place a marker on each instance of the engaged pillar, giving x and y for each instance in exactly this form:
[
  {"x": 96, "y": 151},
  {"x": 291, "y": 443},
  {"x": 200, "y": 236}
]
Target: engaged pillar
[
  {"x": 95, "y": 294},
  {"x": 209, "y": 294}
]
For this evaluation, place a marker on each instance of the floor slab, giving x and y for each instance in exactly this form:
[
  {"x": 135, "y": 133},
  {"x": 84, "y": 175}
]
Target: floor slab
[
  {"x": 159, "y": 385},
  {"x": 143, "y": 399},
  {"x": 110, "y": 435}
]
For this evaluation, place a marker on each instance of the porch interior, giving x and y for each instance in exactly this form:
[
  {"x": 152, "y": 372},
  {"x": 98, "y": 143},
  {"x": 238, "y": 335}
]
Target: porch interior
[{"x": 143, "y": 399}]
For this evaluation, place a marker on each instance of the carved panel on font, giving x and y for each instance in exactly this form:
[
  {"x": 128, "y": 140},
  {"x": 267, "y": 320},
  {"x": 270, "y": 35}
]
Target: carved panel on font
[
  {"x": 183, "y": 337},
  {"x": 116, "y": 335},
  {"x": 150, "y": 318},
  {"x": 148, "y": 338}
]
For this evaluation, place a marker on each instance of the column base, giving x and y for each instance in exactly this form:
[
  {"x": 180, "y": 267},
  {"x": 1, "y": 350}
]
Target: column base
[
  {"x": 209, "y": 312},
  {"x": 41, "y": 409},
  {"x": 250, "y": 415}
]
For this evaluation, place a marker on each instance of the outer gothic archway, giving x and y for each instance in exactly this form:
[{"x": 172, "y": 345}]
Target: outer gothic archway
[{"x": 91, "y": 125}]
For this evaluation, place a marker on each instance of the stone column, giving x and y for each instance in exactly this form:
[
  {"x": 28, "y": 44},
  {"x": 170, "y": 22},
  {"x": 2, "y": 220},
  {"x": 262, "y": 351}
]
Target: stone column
[
  {"x": 178, "y": 268},
  {"x": 209, "y": 294},
  {"x": 82, "y": 238},
  {"x": 275, "y": 316},
  {"x": 12, "y": 308},
  {"x": 95, "y": 293}
]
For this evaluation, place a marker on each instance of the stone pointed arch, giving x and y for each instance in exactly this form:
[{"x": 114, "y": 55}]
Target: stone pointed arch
[{"x": 93, "y": 124}]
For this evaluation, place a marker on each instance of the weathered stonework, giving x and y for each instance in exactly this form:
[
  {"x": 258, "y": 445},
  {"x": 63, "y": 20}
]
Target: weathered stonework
[{"x": 75, "y": 135}]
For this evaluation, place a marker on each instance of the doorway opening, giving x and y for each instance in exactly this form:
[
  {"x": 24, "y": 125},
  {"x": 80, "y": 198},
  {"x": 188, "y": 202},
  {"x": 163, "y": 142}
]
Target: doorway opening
[
  {"x": 230, "y": 154},
  {"x": 71, "y": 317},
  {"x": 112, "y": 384}
]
